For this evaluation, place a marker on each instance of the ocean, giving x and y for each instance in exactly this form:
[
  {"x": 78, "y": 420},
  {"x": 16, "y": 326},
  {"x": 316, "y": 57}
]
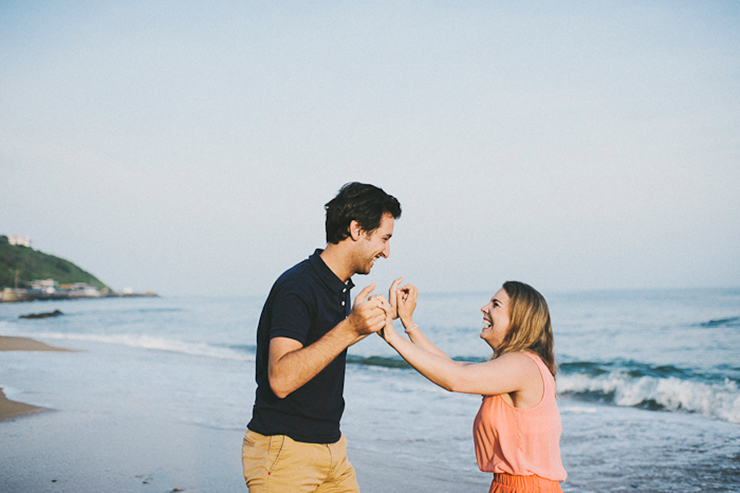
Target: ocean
[{"x": 648, "y": 381}]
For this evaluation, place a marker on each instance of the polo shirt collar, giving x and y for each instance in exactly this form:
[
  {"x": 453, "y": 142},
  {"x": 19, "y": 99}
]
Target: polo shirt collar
[{"x": 326, "y": 275}]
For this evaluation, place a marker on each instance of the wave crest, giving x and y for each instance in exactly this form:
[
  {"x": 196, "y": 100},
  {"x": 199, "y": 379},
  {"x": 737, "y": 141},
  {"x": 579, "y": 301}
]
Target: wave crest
[
  {"x": 716, "y": 400},
  {"x": 157, "y": 343}
]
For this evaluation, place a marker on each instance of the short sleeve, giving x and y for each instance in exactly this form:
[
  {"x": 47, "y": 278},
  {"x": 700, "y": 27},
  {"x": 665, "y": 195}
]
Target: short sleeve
[{"x": 291, "y": 316}]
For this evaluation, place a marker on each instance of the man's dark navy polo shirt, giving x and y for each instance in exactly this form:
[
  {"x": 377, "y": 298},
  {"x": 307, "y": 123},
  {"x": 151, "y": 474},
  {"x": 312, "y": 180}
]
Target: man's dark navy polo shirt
[{"x": 305, "y": 303}]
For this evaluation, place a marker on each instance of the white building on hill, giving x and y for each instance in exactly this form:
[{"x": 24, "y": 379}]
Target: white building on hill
[
  {"x": 20, "y": 240},
  {"x": 48, "y": 286}
]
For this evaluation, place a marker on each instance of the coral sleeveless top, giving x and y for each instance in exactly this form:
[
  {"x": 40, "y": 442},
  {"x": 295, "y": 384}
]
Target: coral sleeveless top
[{"x": 521, "y": 441}]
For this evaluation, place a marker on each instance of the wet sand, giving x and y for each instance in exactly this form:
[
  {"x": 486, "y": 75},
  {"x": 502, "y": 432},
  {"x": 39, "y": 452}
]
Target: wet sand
[
  {"x": 87, "y": 452},
  {"x": 11, "y": 409},
  {"x": 91, "y": 452},
  {"x": 25, "y": 344}
]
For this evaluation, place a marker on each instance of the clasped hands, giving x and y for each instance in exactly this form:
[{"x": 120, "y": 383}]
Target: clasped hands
[{"x": 376, "y": 313}]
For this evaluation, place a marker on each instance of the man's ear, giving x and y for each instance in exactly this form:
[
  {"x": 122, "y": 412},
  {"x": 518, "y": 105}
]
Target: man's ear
[{"x": 355, "y": 231}]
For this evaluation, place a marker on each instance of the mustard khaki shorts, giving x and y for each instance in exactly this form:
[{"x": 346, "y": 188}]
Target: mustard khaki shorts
[{"x": 279, "y": 464}]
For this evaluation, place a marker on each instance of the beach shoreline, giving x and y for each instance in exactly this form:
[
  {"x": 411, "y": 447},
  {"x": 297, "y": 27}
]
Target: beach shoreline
[
  {"x": 144, "y": 451},
  {"x": 10, "y": 409},
  {"x": 10, "y": 343},
  {"x": 102, "y": 453}
]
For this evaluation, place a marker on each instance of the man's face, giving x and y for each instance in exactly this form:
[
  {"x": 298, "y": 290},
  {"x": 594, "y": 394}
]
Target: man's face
[{"x": 373, "y": 245}]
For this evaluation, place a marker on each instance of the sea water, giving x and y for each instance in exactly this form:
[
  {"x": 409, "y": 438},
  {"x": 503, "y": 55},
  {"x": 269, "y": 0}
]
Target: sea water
[{"x": 648, "y": 379}]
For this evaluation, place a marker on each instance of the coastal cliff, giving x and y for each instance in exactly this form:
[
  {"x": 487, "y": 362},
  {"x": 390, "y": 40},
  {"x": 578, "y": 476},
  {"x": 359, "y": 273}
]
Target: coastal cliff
[
  {"x": 21, "y": 265},
  {"x": 27, "y": 274}
]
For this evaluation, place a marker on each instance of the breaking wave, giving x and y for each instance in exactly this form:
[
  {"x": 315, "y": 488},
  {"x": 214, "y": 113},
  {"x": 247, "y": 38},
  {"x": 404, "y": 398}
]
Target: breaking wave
[
  {"x": 238, "y": 353},
  {"x": 660, "y": 388}
]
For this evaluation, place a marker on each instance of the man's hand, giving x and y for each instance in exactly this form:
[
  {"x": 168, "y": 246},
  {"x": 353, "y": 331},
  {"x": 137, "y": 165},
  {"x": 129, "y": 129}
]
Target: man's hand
[{"x": 368, "y": 315}]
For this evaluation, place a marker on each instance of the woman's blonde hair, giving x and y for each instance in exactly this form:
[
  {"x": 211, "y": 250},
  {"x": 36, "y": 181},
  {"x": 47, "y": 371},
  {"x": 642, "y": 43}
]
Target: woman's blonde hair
[{"x": 530, "y": 328}]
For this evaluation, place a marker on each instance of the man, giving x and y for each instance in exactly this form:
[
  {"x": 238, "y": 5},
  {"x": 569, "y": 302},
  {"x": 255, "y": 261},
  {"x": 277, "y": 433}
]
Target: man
[{"x": 293, "y": 442}]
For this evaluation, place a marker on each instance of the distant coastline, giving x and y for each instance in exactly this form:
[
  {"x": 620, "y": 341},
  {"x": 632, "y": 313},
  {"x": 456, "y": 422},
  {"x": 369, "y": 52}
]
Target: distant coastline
[
  {"x": 30, "y": 275},
  {"x": 9, "y": 295}
]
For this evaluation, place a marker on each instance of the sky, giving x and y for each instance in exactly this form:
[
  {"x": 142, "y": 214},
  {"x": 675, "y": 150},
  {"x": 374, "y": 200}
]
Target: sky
[{"x": 189, "y": 147}]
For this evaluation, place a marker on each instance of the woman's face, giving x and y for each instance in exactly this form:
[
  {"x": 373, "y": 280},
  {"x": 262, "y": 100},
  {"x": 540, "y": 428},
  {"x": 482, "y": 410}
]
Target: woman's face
[{"x": 496, "y": 319}]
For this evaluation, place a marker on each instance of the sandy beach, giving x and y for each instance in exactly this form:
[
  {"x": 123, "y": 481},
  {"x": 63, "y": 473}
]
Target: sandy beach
[
  {"x": 25, "y": 344},
  {"x": 12, "y": 409},
  {"x": 87, "y": 452},
  {"x": 79, "y": 451}
]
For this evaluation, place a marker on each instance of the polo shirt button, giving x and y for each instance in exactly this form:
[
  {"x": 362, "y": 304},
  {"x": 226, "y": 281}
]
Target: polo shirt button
[
  {"x": 342, "y": 303},
  {"x": 344, "y": 290}
]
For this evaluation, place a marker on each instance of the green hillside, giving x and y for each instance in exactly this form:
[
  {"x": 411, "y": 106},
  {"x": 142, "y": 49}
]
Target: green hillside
[{"x": 32, "y": 265}]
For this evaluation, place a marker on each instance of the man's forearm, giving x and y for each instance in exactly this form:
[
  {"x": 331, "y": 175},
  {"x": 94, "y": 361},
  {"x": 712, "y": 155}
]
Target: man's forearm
[{"x": 293, "y": 369}]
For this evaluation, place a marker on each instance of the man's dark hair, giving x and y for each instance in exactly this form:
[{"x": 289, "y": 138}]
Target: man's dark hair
[{"x": 359, "y": 202}]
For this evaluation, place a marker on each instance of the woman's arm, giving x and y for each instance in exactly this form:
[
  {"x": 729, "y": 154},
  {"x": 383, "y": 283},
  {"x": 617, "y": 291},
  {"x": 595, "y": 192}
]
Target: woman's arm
[
  {"x": 512, "y": 372},
  {"x": 405, "y": 305},
  {"x": 418, "y": 338}
]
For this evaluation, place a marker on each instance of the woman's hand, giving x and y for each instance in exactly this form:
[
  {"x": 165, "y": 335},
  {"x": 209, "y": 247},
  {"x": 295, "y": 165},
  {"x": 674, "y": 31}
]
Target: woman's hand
[
  {"x": 406, "y": 303},
  {"x": 393, "y": 297},
  {"x": 388, "y": 332}
]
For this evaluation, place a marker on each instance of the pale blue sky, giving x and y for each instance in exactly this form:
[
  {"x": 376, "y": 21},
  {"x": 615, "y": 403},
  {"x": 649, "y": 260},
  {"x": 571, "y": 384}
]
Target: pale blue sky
[{"x": 190, "y": 146}]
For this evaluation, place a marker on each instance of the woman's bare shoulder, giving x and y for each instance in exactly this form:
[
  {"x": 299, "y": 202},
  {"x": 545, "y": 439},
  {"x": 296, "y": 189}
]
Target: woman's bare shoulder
[{"x": 520, "y": 362}]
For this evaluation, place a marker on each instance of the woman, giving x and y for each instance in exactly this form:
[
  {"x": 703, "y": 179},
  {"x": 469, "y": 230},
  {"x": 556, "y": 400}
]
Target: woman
[{"x": 517, "y": 429}]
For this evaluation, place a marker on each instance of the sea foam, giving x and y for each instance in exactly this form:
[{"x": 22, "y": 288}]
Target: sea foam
[
  {"x": 153, "y": 343},
  {"x": 716, "y": 400}
]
